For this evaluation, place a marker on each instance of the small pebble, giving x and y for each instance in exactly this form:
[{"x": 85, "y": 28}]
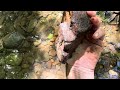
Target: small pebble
[
  {"x": 56, "y": 62},
  {"x": 37, "y": 42},
  {"x": 106, "y": 74},
  {"x": 113, "y": 77},
  {"x": 52, "y": 60},
  {"x": 52, "y": 52},
  {"x": 49, "y": 64},
  {"x": 112, "y": 72},
  {"x": 111, "y": 66}
]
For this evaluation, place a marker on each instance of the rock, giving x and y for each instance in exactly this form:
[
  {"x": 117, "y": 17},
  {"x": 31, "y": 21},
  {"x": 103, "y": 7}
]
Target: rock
[
  {"x": 2, "y": 61},
  {"x": 25, "y": 66},
  {"x": 49, "y": 64},
  {"x": 10, "y": 75},
  {"x": 66, "y": 32},
  {"x": 56, "y": 32},
  {"x": 81, "y": 20},
  {"x": 50, "y": 57},
  {"x": 13, "y": 59},
  {"x": 50, "y": 36},
  {"x": 43, "y": 52},
  {"x": 113, "y": 77},
  {"x": 52, "y": 60},
  {"x": 106, "y": 74},
  {"x": 101, "y": 78},
  {"x": 47, "y": 22},
  {"x": 1, "y": 44},
  {"x": 112, "y": 48},
  {"x": 38, "y": 69},
  {"x": 23, "y": 73},
  {"x": 10, "y": 68},
  {"x": 111, "y": 66},
  {"x": 56, "y": 62},
  {"x": 101, "y": 66},
  {"x": 58, "y": 67},
  {"x": 37, "y": 42},
  {"x": 118, "y": 45},
  {"x": 32, "y": 24},
  {"x": 33, "y": 76},
  {"x": 63, "y": 67},
  {"x": 53, "y": 39},
  {"x": 106, "y": 49},
  {"x": 112, "y": 72},
  {"x": 95, "y": 77},
  {"x": 26, "y": 45},
  {"x": 13, "y": 40},
  {"x": 115, "y": 68},
  {"x": 46, "y": 56},
  {"x": 50, "y": 47},
  {"x": 113, "y": 62},
  {"x": 2, "y": 72},
  {"x": 43, "y": 47},
  {"x": 52, "y": 52},
  {"x": 118, "y": 64},
  {"x": 30, "y": 60},
  {"x": 50, "y": 43}
]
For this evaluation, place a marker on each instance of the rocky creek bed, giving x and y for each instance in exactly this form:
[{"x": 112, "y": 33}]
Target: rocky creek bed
[{"x": 27, "y": 47}]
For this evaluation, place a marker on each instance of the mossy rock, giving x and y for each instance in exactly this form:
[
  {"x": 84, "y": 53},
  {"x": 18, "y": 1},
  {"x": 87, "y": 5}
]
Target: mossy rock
[
  {"x": 10, "y": 75},
  {"x": 14, "y": 69},
  {"x": 23, "y": 74},
  {"x": 13, "y": 40},
  {"x": 2, "y": 72},
  {"x": 13, "y": 59},
  {"x": 2, "y": 61},
  {"x": 17, "y": 73},
  {"x": 1, "y": 45},
  {"x": 25, "y": 65},
  {"x": 30, "y": 60}
]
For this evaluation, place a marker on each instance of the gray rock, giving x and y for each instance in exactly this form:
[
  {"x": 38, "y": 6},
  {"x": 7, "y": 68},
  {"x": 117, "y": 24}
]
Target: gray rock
[
  {"x": 12, "y": 40},
  {"x": 82, "y": 21}
]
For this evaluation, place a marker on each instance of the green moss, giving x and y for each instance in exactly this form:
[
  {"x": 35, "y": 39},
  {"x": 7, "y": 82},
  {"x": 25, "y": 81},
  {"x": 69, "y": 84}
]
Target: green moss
[
  {"x": 13, "y": 59},
  {"x": 23, "y": 74},
  {"x": 117, "y": 54},
  {"x": 30, "y": 60},
  {"x": 50, "y": 36},
  {"x": 2, "y": 72},
  {"x": 102, "y": 15},
  {"x": 2, "y": 61},
  {"x": 25, "y": 66},
  {"x": 1, "y": 45},
  {"x": 10, "y": 75},
  {"x": 15, "y": 72},
  {"x": 14, "y": 69}
]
